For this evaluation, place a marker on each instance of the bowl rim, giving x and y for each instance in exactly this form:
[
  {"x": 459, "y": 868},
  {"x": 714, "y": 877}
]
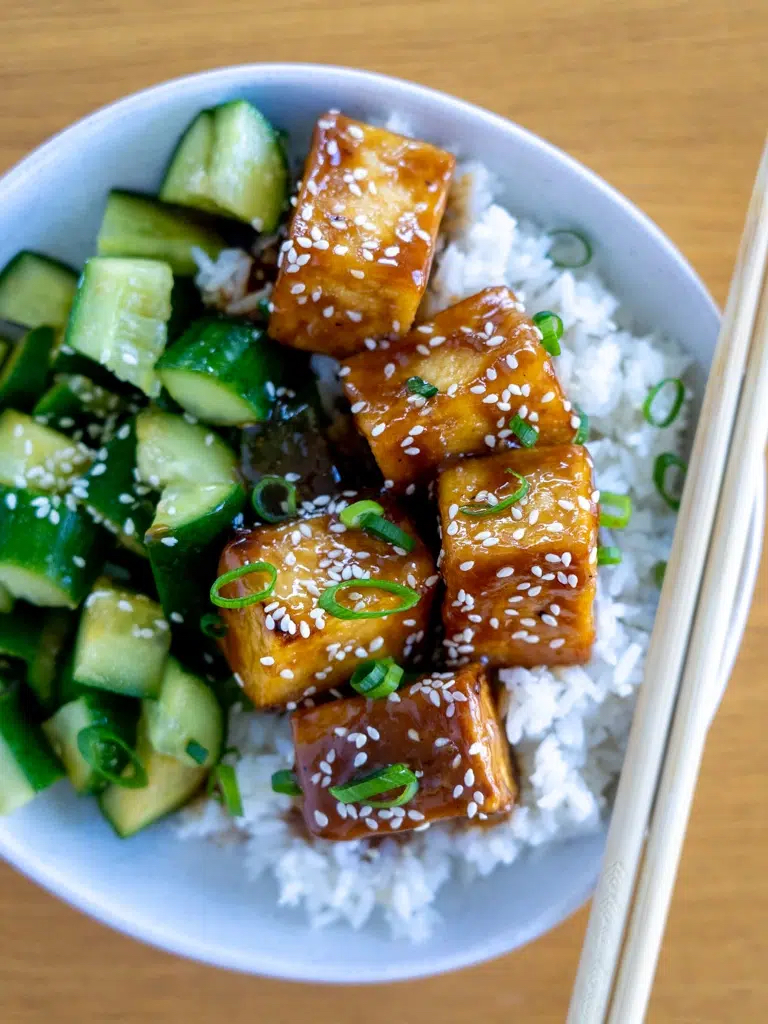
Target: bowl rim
[{"x": 260, "y": 961}]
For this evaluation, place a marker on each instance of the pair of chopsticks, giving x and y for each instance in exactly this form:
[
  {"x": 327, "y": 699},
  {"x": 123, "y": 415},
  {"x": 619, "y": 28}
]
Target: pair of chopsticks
[{"x": 683, "y": 665}]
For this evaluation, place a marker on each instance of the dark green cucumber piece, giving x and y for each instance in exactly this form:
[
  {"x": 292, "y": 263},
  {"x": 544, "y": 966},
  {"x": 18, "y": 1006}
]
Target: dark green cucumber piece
[
  {"x": 138, "y": 225},
  {"x": 170, "y": 784},
  {"x": 36, "y": 290},
  {"x": 33, "y": 455},
  {"x": 5, "y": 348},
  {"x": 230, "y": 161},
  {"x": 7, "y": 600},
  {"x": 186, "y": 307},
  {"x": 113, "y": 495},
  {"x": 27, "y": 763},
  {"x": 74, "y": 401},
  {"x": 185, "y": 717},
  {"x": 201, "y": 496},
  {"x": 122, "y": 642},
  {"x": 24, "y": 373},
  {"x": 119, "y": 317},
  {"x": 37, "y": 637},
  {"x": 222, "y": 371},
  {"x": 49, "y": 550},
  {"x": 118, "y": 714}
]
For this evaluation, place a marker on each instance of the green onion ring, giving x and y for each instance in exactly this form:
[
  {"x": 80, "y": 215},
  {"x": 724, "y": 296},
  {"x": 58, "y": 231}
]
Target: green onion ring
[
  {"x": 94, "y": 742},
  {"x": 196, "y": 751},
  {"x": 569, "y": 250},
  {"x": 213, "y": 625},
  {"x": 486, "y": 509},
  {"x": 235, "y": 574},
  {"x": 526, "y": 434},
  {"x": 350, "y": 515},
  {"x": 419, "y": 386},
  {"x": 384, "y": 529},
  {"x": 376, "y": 679},
  {"x": 224, "y": 779},
  {"x": 383, "y": 780},
  {"x": 288, "y": 503},
  {"x": 328, "y": 603},
  {"x": 285, "y": 782},
  {"x": 582, "y": 431},
  {"x": 550, "y": 327},
  {"x": 677, "y": 404},
  {"x": 665, "y": 462},
  {"x": 608, "y": 555},
  {"x": 618, "y": 519}
]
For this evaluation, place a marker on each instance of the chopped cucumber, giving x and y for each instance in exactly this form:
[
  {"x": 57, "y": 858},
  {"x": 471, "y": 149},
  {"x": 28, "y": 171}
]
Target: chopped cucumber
[
  {"x": 119, "y": 317},
  {"x": 186, "y": 307},
  {"x": 27, "y": 763},
  {"x": 7, "y": 600},
  {"x": 201, "y": 495},
  {"x": 49, "y": 550},
  {"x": 113, "y": 495},
  {"x": 170, "y": 784},
  {"x": 24, "y": 373},
  {"x": 37, "y": 637},
  {"x": 137, "y": 225},
  {"x": 122, "y": 642},
  {"x": 36, "y": 290},
  {"x": 118, "y": 714},
  {"x": 75, "y": 401},
  {"x": 230, "y": 160},
  {"x": 32, "y": 455},
  {"x": 185, "y": 717},
  {"x": 222, "y": 371},
  {"x": 5, "y": 348}
]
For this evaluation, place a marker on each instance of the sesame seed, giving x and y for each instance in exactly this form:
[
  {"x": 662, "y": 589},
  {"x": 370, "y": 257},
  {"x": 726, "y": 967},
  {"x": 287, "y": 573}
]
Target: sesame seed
[
  {"x": 360, "y": 759},
  {"x": 466, "y": 566},
  {"x": 476, "y": 748},
  {"x": 502, "y": 574},
  {"x": 321, "y": 819},
  {"x": 457, "y": 791},
  {"x": 286, "y": 673}
]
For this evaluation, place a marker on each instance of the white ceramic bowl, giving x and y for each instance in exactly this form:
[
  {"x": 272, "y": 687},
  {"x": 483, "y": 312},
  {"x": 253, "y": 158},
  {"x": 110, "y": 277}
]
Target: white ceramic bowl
[{"x": 192, "y": 898}]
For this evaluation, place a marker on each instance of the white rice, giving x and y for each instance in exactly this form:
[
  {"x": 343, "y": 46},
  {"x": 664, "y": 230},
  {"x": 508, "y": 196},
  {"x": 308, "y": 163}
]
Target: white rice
[{"x": 568, "y": 725}]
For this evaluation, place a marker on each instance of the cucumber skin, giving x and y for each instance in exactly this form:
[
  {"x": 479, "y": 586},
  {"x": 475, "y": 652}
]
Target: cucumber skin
[
  {"x": 187, "y": 709},
  {"x": 137, "y": 225},
  {"x": 37, "y": 544},
  {"x": 37, "y": 637},
  {"x": 24, "y": 373},
  {"x": 234, "y": 354},
  {"x": 184, "y": 572},
  {"x": 27, "y": 743}
]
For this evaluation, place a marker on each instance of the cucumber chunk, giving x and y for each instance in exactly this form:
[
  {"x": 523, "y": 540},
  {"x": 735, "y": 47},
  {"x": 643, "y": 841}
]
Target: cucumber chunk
[
  {"x": 222, "y": 372},
  {"x": 7, "y": 600},
  {"x": 137, "y": 225},
  {"x": 185, "y": 712},
  {"x": 117, "y": 714},
  {"x": 27, "y": 763},
  {"x": 170, "y": 784},
  {"x": 112, "y": 494},
  {"x": 76, "y": 401},
  {"x": 230, "y": 160},
  {"x": 122, "y": 642},
  {"x": 49, "y": 550},
  {"x": 24, "y": 373},
  {"x": 171, "y": 450},
  {"x": 32, "y": 455},
  {"x": 36, "y": 290},
  {"x": 119, "y": 317},
  {"x": 37, "y": 637}
]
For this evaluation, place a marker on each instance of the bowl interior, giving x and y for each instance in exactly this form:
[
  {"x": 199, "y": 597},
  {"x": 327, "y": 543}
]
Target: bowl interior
[{"x": 193, "y": 897}]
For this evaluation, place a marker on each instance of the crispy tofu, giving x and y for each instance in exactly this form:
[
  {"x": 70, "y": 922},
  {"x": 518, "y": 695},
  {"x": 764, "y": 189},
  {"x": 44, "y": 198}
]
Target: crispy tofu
[
  {"x": 486, "y": 360},
  {"x": 520, "y": 584},
  {"x": 286, "y": 648},
  {"x": 361, "y": 241},
  {"x": 443, "y": 727}
]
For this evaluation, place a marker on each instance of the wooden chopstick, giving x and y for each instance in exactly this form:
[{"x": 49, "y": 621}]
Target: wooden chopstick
[
  {"x": 701, "y": 679},
  {"x": 672, "y": 628}
]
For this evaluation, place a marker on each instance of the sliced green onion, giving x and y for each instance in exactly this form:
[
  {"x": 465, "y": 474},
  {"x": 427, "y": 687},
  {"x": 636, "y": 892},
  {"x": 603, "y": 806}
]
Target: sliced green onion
[
  {"x": 102, "y": 749},
  {"x": 619, "y": 510},
  {"x": 213, "y": 625},
  {"x": 608, "y": 556},
  {"x": 551, "y": 328},
  {"x": 196, "y": 751},
  {"x": 376, "y": 679},
  {"x": 659, "y": 571},
  {"x": 569, "y": 250},
  {"x": 386, "y": 530},
  {"x": 524, "y": 432},
  {"x": 665, "y": 462},
  {"x": 582, "y": 431},
  {"x": 328, "y": 603},
  {"x": 285, "y": 782},
  {"x": 235, "y": 574},
  {"x": 350, "y": 515},
  {"x": 674, "y": 410},
  {"x": 224, "y": 779},
  {"x": 285, "y": 505},
  {"x": 383, "y": 780},
  {"x": 486, "y": 509},
  {"x": 419, "y": 386}
]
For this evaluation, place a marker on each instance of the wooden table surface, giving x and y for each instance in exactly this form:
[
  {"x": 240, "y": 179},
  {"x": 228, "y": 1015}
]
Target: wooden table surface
[{"x": 667, "y": 100}]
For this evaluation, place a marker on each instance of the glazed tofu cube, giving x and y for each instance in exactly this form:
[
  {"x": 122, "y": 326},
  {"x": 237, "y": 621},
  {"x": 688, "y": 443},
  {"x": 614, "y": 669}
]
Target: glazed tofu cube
[
  {"x": 443, "y": 727},
  {"x": 520, "y": 584},
  {"x": 361, "y": 241},
  {"x": 485, "y": 358},
  {"x": 286, "y": 648}
]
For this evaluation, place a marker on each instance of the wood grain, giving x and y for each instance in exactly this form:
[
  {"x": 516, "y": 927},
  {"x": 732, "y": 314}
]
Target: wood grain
[{"x": 664, "y": 98}]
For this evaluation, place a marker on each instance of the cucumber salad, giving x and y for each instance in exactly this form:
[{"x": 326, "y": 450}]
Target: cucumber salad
[{"x": 246, "y": 462}]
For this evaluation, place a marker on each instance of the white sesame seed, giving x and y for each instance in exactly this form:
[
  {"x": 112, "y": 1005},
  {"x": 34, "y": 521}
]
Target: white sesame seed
[
  {"x": 457, "y": 791},
  {"x": 360, "y": 759},
  {"x": 554, "y": 644},
  {"x": 476, "y": 748},
  {"x": 502, "y": 574},
  {"x": 321, "y": 819}
]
